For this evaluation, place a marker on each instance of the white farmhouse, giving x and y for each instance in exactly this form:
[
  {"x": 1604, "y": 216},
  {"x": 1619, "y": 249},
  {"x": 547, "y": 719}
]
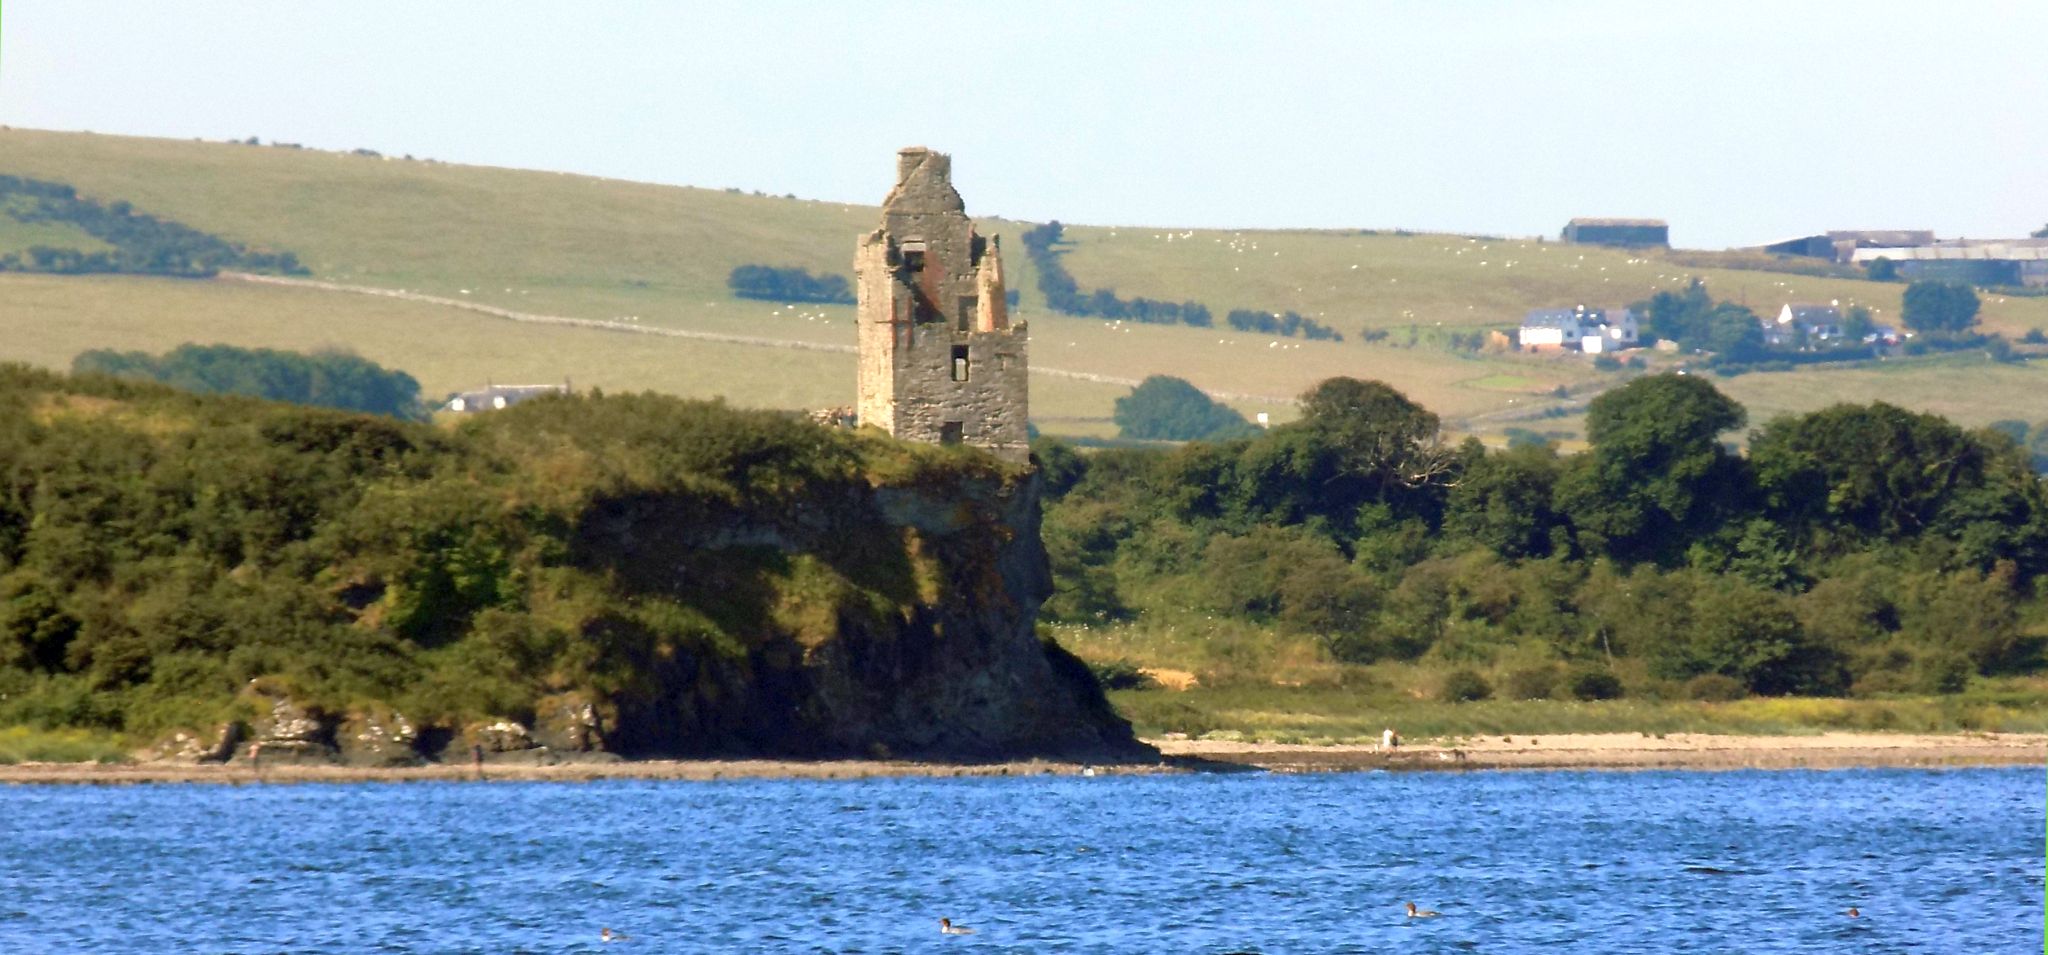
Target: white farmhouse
[{"x": 1590, "y": 330}]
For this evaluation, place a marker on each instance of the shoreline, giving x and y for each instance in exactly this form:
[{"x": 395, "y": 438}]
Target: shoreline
[{"x": 1588, "y": 751}]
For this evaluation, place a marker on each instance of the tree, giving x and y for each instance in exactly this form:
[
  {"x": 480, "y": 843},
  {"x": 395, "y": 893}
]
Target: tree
[
  {"x": 1858, "y": 325},
  {"x": 1882, "y": 270},
  {"x": 1935, "y": 307},
  {"x": 1675, "y": 316},
  {"x": 1658, "y": 476},
  {"x": 1165, "y": 408},
  {"x": 2040, "y": 233},
  {"x": 1376, "y": 431},
  {"x": 1502, "y": 501},
  {"x": 1733, "y": 333}
]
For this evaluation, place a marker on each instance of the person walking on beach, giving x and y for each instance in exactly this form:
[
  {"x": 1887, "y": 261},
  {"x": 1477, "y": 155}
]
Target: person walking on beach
[{"x": 1389, "y": 739}]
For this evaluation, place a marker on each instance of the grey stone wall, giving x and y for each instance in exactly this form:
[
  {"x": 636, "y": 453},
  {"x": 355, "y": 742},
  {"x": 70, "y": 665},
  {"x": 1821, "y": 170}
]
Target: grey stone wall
[{"x": 939, "y": 359}]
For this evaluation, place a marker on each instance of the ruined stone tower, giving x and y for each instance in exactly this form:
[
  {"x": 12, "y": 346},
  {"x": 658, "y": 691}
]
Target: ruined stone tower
[{"x": 939, "y": 359}]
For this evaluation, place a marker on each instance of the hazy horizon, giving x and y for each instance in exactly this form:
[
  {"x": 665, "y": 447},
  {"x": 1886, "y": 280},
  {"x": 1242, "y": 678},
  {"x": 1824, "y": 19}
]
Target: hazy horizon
[{"x": 1737, "y": 123}]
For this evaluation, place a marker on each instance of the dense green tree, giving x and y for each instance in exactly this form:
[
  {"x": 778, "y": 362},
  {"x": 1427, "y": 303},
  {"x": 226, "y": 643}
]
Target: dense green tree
[
  {"x": 1165, "y": 408},
  {"x": 1939, "y": 307},
  {"x": 1375, "y": 432},
  {"x": 1882, "y": 270},
  {"x": 1675, "y": 316},
  {"x": 1503, "y": 501},
  {"x": 1697, "y": 323},
  {"x": 1658, "y": 476},
  {"x": 2041, "y": 233},
  {"x": 1880, "y": 472}
]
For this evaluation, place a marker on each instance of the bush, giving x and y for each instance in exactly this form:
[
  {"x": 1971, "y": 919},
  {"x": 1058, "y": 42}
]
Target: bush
[
  {"x": 1464, "y": 686},
  {"x": 1607, "y": 363},
  {"x": 1945, "y": 672},
  {"x": 1714, "y": 688},
  {"x": 1594, "y": 683},
  {"x": 1532, "y": 683}
]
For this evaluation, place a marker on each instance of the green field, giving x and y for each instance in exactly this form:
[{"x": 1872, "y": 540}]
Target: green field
[{"x": 658, "y": 255}]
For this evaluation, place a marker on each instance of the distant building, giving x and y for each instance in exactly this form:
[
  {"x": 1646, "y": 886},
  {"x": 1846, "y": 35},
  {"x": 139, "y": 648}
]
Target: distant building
[
  {"x": 1625, "y": 233},
  {"x": 1810, "y": 246},
  {"x": 496, "y": 397},
  {"x": 1590, "y": 330},
  {"x": 1847, "y": 241},
  {"x": 2021, "y": 262},
  {"x": 1798, "y": 324}
]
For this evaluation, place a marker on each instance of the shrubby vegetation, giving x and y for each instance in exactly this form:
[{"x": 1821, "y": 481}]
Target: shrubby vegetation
[
  {"x": 325, "y": 380},
  {"x": 789, "y": 285},
  {"x": 1860, "y": 549},
  {"x": 142, "y": 244},
  {"x": 160, "y": 551},
  {"x": 1165, "y": 408}
]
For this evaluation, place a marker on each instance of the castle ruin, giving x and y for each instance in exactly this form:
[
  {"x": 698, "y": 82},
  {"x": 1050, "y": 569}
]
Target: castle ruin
[{"x": 939, "y": 360}]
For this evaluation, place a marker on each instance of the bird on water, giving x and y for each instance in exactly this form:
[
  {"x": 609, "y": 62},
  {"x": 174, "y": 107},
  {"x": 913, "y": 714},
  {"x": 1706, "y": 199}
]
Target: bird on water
[
  {"x": 607, "y": 935},
  {"x": 1415, "y": 913},
  {"x": 946, "y": 927}
]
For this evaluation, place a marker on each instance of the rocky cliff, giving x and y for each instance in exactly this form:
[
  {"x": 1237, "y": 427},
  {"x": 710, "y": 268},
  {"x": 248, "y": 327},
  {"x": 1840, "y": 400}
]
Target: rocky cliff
[{"x": 945, "y": 664}]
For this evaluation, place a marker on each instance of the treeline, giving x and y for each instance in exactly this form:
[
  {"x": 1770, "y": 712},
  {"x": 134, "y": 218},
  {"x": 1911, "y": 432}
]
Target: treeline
[
  {"x": 1286, "y": 325},
  {"x": 142, "y": 244},
  {"x": 789, "y": 285},
  {"x": 1859, "y": 549},
  {"x": 1064, "y": 295},
  {"x": 326, "y": 379}
]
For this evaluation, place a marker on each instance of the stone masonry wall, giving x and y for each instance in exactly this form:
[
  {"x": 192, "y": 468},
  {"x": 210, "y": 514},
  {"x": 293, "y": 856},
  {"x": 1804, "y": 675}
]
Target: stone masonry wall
[{"x": 939, "y": 359}]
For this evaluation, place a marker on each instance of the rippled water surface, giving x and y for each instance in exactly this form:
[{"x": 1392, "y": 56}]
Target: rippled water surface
[{"x": 1940, "y": 861}]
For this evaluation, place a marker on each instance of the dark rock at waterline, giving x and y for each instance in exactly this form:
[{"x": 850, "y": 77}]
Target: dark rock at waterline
[{"x": 955, "y": 672}]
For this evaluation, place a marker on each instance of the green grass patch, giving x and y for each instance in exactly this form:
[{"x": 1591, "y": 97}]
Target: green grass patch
[
  {"x": 1356, "y": 715},
  {"x": 22, "y": 744}
]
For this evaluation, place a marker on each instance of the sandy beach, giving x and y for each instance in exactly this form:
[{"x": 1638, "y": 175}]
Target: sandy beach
[
  {"x": 1635, "y": 751},
  {"x": 1604, "y": 751}
]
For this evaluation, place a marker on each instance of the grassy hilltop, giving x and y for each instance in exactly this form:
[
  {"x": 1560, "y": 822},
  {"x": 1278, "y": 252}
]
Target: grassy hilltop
[{"x": 659, "y": 255}]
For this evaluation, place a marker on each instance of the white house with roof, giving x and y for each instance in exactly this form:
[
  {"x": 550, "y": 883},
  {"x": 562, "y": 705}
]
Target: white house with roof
[{"x": 1590, "y": 330}]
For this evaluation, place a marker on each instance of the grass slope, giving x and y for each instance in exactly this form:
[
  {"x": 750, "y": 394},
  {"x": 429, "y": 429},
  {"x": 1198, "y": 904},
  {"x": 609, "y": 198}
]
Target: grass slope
[{"x": 598, "y": 248}]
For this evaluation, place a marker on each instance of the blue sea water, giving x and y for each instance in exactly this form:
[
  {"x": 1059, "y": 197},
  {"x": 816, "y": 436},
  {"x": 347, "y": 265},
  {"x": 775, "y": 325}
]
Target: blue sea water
[{"x": 1938, "y": 861}]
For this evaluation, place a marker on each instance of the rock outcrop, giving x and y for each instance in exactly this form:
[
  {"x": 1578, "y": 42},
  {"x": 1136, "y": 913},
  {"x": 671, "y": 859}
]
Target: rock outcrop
[
  {"x": 951, "y": 668},
  {"x": 378, "y": 736},
  {"x": 286, "y": 731}
]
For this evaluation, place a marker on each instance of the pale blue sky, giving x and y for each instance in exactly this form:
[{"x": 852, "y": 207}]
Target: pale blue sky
[{"x": 1738, "y": 122}]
